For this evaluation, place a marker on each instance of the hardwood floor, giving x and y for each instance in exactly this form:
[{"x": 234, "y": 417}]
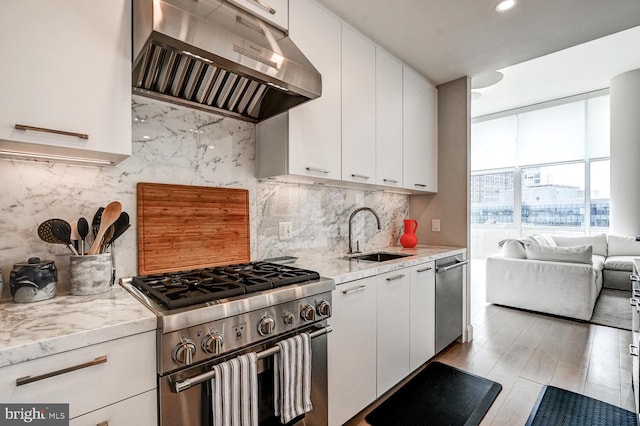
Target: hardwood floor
[{"x": 524, "y": 351}]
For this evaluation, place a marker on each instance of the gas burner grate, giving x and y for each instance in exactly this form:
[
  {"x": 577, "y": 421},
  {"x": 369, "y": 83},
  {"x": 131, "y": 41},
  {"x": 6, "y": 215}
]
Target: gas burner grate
[{"x": 185, "y": 288}]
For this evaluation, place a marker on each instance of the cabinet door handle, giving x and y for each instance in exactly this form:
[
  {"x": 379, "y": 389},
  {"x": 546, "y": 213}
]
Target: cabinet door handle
[
  {"x": 421, "y": 185},
  {"x": 354, "y": 290},
  {"x": 264, "y": 6},
  {"x": 395, "y": 277},
  {"x": 353, "y": 175},
  {"x": 390, "y": 180},
  {"x": 105, "y": 423},
  {"x": 633, "y": 350},
  {"x": 57, "y": 132},
  {"x": 316, "y": 169},
  {"x": 428, "y": 268},
  {"x": 28, "y": 379}
]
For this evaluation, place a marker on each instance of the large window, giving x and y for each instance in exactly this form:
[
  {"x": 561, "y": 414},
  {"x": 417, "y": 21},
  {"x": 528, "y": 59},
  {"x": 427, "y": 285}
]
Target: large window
[{"x": 541, "y": 169}]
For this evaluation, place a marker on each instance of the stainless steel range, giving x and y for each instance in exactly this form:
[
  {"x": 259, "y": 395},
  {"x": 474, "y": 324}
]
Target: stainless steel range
[{"x": 210, "y": 315}]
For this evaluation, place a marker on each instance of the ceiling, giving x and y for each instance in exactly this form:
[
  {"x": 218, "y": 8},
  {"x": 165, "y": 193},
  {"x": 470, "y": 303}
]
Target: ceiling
[{"x": 446, "y": 40}]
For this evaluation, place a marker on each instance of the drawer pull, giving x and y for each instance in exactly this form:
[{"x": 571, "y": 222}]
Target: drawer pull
[
  {"x": 395, "y": 277},
  {"x": 57, "y": 132},
  {"x": 28, "y": 379},
  {"x": 265, "y": 6},
  {"x": 357, "y": 176},
  {"x": 318, "y": 170},
  {"x": 105, "y": 423},
  {"x": 633, "y": 350},
  {"x": 428, "y": 268},
  {"x": 354, "y": 290}
]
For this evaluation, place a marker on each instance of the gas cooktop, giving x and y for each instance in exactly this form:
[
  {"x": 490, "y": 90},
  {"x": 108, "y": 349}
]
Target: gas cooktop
[{"x": 179, "y": 289}]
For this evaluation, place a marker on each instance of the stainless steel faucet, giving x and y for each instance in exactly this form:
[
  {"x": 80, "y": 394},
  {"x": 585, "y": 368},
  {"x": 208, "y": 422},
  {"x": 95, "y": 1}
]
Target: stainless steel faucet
[{"x": 356, "y": 211}]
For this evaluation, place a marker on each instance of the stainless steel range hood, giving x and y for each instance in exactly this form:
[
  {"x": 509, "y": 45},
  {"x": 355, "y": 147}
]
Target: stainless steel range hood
[{"x": 211, "y": 55}]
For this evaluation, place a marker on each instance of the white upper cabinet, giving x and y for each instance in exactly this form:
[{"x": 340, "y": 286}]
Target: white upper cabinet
[
  {"x": 314, "y": 127},
  {"x": 274, "y": 11},
  {"x": 419, "y": 133},
  {"x": 358, "y": 107},
  {"x": 388, "y": 121},
  {"x": 66, "y": 71}
]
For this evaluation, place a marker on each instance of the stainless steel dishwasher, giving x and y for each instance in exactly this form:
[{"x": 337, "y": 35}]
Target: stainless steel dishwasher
[{"x": 449, "y": 282}]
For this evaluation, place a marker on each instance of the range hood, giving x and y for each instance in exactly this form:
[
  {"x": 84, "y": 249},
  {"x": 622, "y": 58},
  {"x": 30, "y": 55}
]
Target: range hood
[{"x": 211, "y": 55}]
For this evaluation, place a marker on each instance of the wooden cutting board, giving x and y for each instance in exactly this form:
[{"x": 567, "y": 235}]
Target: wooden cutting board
[{"x": 182, "y": 227}]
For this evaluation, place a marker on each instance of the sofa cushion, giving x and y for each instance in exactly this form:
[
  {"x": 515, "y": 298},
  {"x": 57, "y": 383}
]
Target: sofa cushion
[
  {"x": 513, "y": 249},
  {"x": 597, "y": 242},
  {"x": 623, "y": 246},
  {"x": 577, "y": 254},
  {"x": 598, "y": 261},
  {"x": 619, "y": 263}
]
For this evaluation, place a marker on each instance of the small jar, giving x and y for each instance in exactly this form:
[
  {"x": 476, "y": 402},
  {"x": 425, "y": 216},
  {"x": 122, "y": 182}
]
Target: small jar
[{"x": 33, "y": 281}]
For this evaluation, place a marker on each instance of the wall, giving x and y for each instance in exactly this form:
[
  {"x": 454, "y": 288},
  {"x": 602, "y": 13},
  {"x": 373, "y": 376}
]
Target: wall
[
  {"x": 450, "y": 204},
  {"x": 177, "y": 145}
]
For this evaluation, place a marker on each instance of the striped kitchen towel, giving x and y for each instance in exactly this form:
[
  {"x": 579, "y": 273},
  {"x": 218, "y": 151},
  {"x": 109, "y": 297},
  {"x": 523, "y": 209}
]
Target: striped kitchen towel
[
  {"x": 292, "y": 377},
  {"x": 234, "y": 396}
]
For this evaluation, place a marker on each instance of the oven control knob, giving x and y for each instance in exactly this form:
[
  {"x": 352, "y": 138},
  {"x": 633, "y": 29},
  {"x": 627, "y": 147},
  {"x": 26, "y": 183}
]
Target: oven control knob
[
  {"x": 288, "y": 318},
  {"x": 323, "y": 308},
  {"x": 308, "y": 313},
  {"x": 212, "y": 343},
  {"x": 183, "y": 352},
  {"x": 266, "y": 326}
]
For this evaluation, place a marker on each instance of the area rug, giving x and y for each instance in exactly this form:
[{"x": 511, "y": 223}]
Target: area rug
[
  {"x": 438, "y": 395},
  {"x": 557, "y": 406},
  {"x": 613, "y": 309}
]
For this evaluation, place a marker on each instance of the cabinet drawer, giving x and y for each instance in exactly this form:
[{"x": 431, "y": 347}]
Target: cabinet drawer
[
  {"x": 141, "y": 410},
  {"x": 83, "y": 378}
]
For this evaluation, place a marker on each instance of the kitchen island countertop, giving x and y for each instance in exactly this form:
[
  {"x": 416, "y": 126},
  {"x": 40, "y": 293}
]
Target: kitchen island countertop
[
  {"x": 342, "y": 270},
  {"x": 33, "y": 330}
]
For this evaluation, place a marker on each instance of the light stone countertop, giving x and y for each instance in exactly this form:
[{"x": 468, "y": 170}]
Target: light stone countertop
[
  {"x": 342, "y": 270},
  {"x": 33, "y": 330}
]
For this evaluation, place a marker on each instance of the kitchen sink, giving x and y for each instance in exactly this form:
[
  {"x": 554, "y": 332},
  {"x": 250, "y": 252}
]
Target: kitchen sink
[{"x": 378, "y": 257}]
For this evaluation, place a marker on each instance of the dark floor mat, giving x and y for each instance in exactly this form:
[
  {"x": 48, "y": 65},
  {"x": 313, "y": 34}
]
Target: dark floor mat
[
  {"x": 438, "y": 395},
  {"x": 557, "y": 406}
]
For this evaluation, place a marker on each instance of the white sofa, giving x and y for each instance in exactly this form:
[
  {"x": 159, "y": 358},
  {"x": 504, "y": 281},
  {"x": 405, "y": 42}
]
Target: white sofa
[{"x": 559, "y": 275}]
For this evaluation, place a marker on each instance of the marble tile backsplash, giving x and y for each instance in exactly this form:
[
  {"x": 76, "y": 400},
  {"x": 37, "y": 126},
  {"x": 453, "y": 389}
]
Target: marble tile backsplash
[{"x": 173, "y": 144}]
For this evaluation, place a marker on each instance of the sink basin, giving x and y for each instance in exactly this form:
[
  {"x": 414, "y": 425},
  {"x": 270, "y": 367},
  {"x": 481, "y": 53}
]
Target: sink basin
[{"x": 378, "y": 257}]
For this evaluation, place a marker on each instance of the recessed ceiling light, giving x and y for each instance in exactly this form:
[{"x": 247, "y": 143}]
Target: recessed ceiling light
[{"x": 505, "y": 5}]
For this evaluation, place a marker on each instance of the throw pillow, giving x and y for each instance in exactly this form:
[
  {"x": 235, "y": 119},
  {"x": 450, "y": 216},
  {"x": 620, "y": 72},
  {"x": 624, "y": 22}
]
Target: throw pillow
[
  {"x": 513, "y": 249},
  {"x": 577, "y": 254},
  {"x": 623, "y": 246},
  {"x": 543, "y": 240}
]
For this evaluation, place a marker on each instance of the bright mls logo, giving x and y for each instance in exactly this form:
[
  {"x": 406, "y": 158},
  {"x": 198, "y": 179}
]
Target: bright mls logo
[{"x": 34, "y": 414}]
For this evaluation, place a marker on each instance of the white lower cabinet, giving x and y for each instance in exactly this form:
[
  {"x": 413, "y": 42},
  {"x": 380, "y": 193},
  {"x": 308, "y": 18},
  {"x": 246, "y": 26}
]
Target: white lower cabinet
[
  {"x": 141, "y": 410},
  {"x": 423, "y": 308},
  {"x": 392, "y": 328},
  {"x": 92, "y": 379},
  {"x": 352, "y": 350},
  {"x": 383, "y": 329}
]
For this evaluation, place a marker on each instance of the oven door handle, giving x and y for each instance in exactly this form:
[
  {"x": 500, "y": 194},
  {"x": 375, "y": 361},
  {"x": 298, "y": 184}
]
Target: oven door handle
[{"x": 182, "y": 385}]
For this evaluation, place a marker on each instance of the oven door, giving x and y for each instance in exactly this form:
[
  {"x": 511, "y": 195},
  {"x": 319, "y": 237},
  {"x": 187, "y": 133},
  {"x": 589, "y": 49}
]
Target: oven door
[{"x": 192, "y": 406}]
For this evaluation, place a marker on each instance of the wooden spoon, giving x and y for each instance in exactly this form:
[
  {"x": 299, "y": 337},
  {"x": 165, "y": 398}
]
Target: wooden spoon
[{"x": 110, "y": 214}]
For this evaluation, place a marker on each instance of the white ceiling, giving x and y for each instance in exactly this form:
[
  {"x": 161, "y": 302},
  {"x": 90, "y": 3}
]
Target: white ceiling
[{"x": 445, "y": 40}]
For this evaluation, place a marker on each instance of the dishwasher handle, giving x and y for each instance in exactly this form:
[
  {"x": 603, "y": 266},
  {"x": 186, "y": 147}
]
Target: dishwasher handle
[{"x": 450, "y": 267}]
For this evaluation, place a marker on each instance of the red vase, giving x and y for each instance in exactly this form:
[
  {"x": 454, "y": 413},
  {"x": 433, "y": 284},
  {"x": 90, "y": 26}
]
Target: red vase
[{"x": 409, "y": 239}]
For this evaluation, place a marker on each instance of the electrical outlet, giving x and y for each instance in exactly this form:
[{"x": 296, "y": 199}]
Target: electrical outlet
[
  {"x": 435, "y": 225},
  {"x": 285, "y": 231}
]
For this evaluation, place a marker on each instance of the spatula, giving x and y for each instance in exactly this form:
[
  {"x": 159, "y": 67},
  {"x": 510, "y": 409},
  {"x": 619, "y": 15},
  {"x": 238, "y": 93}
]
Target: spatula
[
  {"x": 54, "y": 231},
  {"x": 109, "y": 215},
  {"x": 83, "y": 231}
]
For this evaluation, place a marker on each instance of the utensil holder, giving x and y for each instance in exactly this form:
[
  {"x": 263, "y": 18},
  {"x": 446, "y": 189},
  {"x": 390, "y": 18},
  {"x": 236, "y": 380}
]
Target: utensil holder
[{"x": 91, "y": 274}]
